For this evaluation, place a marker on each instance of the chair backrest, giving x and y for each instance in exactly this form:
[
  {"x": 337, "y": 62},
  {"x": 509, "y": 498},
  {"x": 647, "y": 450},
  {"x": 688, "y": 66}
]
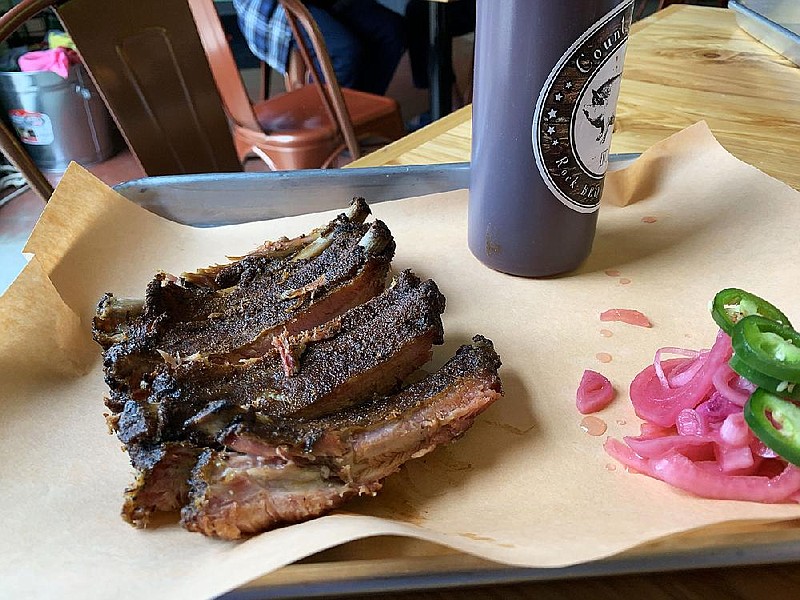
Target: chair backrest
[
  {"x": 148, "y": 63},
  {"x": 229, "y": 82},
  {"x": 321, "y": 70},
  {"x": 223, "y": 65}
]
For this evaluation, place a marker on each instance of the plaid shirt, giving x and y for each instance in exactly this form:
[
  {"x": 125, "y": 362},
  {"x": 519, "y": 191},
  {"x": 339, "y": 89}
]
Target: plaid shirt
[{"x": 266, "y": 29}]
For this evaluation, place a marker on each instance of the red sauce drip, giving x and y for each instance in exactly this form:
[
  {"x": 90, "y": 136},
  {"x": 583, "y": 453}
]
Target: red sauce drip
[
  {"x": 593, "y": 425},
  {"x": 649, "y": 219},
  {"x": 603, "y": 357}
]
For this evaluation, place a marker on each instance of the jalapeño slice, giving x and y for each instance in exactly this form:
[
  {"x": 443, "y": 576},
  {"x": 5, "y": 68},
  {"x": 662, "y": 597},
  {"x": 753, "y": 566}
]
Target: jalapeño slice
[
  {"x": 731, "y": 305},
  {"x": 776, "y": 422},
  {"x": 784, "y": 389},
  {"x": 768, "y": 347}
]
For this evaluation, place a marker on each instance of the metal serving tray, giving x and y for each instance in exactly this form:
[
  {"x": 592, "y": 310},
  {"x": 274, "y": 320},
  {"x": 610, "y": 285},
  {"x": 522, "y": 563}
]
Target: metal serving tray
[
  {"x": 222, "y": 199},
  {"x": 775, "y": 23},
  {"x": 210, "y": 200}
]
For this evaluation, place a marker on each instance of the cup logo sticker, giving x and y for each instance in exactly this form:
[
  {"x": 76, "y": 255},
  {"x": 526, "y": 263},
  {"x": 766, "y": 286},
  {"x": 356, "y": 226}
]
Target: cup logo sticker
[{"x": 575, "y": 112}]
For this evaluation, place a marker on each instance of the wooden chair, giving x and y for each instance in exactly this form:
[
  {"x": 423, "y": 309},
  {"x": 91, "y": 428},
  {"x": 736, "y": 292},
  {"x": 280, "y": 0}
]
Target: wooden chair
[
  {"x": 147, "y": 62},
  {"x": 303, "y": 128}
]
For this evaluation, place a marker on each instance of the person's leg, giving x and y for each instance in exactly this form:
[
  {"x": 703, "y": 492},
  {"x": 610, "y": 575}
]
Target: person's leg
[
  {"x": 382, "y": 37},
  {"x": 344, "y": 48}
]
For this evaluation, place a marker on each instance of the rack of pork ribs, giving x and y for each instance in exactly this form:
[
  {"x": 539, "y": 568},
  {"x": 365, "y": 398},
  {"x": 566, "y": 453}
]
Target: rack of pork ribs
[{"x": 270, "y": 390}]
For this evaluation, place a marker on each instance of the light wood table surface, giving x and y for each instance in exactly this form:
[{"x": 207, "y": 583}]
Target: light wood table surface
[{"x": 683, "y": 65}]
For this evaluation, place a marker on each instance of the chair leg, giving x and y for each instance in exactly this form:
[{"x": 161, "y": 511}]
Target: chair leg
[
  {"x": 263, "y": 88},
  {"x": 263, "y": 156},
  {"x": 16, "y": 154},
  {"x": 297, "y": 75}
]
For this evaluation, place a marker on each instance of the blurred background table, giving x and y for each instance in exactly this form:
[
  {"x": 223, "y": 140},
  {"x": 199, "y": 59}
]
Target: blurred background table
[{"x": 683, "y": 64}]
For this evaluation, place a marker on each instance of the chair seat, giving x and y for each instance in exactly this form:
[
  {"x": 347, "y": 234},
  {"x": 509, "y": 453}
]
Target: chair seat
[
  {"x": 305, "y": 128},
  {"x": 301, "y": 116}
]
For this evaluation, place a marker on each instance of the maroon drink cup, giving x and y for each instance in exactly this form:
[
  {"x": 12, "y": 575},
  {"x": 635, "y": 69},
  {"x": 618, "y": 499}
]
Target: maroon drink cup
[{"x": 547, "y": 77}]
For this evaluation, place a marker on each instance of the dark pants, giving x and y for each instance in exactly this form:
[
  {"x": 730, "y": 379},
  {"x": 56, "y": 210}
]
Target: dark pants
[
  {"x": 365, "y": 41},
  {"x": 460, "y": 20}
]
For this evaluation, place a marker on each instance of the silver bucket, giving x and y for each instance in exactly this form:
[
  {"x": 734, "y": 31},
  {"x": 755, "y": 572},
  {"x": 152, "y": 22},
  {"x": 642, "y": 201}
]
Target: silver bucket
[{"x": 58, "y": 120}]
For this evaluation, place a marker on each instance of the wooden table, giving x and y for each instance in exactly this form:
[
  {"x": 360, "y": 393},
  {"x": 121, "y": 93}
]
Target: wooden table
[{"x": 683, "y": 65}]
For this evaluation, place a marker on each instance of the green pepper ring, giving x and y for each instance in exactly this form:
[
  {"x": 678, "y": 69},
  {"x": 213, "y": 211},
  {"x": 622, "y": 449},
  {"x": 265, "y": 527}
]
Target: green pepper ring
[
  {"x": 766, "y": 382},
  {"x": 784, "y": 441},
  {"x": 734, "y": 296},
  {"x": 751, "y": 344}
]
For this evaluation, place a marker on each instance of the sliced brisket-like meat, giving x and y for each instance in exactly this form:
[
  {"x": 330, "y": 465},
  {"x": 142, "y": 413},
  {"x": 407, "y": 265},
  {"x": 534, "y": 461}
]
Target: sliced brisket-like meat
[
  {"x": 114, "y": 316},
  {"x": 284, "y": 470},
  {"x": 162, "y": 480},
  {"x": 234, "y": 311},
  {"x": 369, "y": 350},
  {"x": 240, "y": 494},
  {"x": 256, "y": 393}
]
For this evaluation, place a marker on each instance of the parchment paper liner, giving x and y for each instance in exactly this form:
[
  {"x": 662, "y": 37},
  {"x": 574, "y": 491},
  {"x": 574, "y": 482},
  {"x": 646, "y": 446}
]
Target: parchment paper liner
[{"x": 525, "y": 486}]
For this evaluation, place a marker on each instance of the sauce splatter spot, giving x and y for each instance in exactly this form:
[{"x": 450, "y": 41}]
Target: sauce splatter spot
[
  {"x": 626, "y": 315},
  {"x": 621, "y": 422},
  {"x": 593, "y": 425},
  {"x": 612, "y": 272},
  {"x": 611, "y": 467},
  {"x": 624, "y": 281},
  {"x": 603, "y": 357},
  {"x": 649, "y": 219},
  {"x": 606, "y": 332}
]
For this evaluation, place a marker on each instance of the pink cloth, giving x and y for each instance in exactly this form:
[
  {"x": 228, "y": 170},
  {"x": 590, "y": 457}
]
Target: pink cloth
[{"x": 56, "y": 60}]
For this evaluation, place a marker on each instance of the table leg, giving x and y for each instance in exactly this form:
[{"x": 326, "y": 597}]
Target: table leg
[{"x": 440, "y": 56}]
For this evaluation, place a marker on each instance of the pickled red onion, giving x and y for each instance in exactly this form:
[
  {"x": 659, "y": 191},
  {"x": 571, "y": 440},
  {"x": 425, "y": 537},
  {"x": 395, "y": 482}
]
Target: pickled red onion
[
  {"x": 595, "y": 392},
  {"x": 682, "y": 473},
  {"x": 721, "y": 377},
  {"x": 694, "y": 436},
  {"x": 661, "y": 405},
  {"x": 696, "y": 478},
  {"x": 690, "y": 422},
  {"x": 734, "y": 430},
  {"x": 692, "y": 368}
]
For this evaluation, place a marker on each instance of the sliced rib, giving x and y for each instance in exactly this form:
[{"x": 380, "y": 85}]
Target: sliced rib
[
  {"x": 161, "y": 483},
  {"x": 369, "y": 350},
  {"x": 234, "y": 311},
  {"x": 284, "y": 470}
]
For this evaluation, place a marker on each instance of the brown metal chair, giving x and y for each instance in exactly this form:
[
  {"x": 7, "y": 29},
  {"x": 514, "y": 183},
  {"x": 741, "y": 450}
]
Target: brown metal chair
[
  {"x": 147, "y": 62},
  {"x": 308, "y": 126}
]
